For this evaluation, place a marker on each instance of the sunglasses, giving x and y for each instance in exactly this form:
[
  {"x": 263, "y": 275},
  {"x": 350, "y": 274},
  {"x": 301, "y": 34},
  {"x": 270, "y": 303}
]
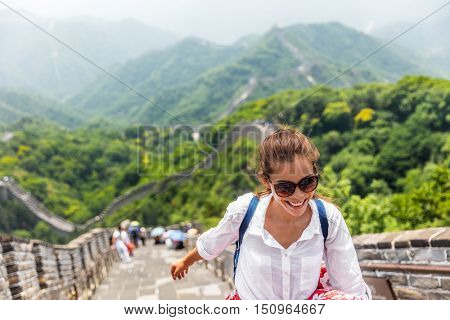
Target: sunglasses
[{"x": 286, "y": 188}]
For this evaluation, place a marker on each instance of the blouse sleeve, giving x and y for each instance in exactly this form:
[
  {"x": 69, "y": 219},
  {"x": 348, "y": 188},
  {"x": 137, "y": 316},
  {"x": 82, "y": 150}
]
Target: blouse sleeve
[
  {"x": 341, "y": 259},
  {"x": 214, "y": 241}
]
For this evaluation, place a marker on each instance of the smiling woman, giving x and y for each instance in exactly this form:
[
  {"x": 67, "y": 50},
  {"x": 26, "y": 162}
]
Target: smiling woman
[{"x": 284, "y": 233}]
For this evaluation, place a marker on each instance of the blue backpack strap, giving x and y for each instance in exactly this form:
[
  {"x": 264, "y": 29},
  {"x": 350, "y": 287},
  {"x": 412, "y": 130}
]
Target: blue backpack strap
[
  {"x": 323, "y": 218},
  {"x": 244, "y": 225}
]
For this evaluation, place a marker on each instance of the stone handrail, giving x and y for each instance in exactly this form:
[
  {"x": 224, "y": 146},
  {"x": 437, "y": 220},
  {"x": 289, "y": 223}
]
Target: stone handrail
[
  {"x": 415, "y": 264},
  {"x": 33, "y": 269}
]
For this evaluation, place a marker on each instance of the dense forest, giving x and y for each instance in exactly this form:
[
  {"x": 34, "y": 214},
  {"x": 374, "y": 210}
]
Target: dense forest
[{"x": 385, "y": 156}]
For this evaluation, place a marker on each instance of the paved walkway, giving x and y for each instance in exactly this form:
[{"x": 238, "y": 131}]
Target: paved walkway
[{"x": 147, "y": 277}]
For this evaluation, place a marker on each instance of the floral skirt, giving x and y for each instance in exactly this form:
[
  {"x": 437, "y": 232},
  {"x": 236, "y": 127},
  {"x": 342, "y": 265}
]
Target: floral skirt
[{"x": 324, "y": 290}]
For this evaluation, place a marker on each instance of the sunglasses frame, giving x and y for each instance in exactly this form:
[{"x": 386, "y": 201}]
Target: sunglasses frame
[{"x": 298, "y": 184}]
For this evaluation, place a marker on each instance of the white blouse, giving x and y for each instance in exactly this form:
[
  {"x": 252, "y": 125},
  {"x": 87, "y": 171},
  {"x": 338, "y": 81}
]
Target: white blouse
[{"x": 268, "y": 271}]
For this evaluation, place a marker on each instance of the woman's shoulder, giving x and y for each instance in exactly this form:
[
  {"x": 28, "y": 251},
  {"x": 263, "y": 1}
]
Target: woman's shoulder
[
  {"x": 242, "y": 201},
  {"x": 239, "y": 206},
  {"x": 333, "y": 212}
]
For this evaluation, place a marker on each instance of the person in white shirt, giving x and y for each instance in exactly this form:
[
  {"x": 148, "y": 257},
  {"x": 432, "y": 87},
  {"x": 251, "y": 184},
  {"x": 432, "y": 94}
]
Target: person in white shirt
[
  {"x": 283, "y": 247},
  {"x": 126, "y": 240},
  {"x": 118, "y": 243}
]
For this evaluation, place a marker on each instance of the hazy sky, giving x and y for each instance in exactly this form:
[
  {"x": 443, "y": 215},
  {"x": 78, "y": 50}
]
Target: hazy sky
[{"x": 226, "y": 20}]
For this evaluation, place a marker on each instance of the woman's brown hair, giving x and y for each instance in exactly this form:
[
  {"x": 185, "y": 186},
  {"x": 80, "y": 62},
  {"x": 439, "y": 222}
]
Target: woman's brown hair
[{"x": 283, "y": 146}]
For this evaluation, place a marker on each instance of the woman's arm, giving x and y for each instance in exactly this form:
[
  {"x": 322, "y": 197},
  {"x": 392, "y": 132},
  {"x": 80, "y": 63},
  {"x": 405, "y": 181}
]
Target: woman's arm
[
  {"x": 214, "y": 241},
  {"x": 341, "y": 259}
]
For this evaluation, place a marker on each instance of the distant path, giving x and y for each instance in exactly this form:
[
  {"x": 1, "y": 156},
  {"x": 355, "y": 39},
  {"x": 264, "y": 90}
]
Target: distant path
[
  {"x": 36, "y": 207},
  {"x": 251, "y": 86},
  {"x": 305, "y": 65}
]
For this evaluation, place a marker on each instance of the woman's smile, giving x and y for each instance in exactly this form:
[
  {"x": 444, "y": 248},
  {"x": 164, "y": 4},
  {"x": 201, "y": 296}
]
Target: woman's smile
[{"x": 296, "y": 205}]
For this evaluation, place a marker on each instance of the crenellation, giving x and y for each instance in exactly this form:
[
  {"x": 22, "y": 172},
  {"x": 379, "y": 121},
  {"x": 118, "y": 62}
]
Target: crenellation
[
  {"x": 5, "y": 293},
  {"x": 38, "y": 270},
  {"x": 21, "y": 268},
  {"x": 442, "y": 239}
]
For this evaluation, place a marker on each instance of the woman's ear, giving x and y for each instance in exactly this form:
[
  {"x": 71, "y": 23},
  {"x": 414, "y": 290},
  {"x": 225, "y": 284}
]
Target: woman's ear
[{"x": 264, "y": 180}]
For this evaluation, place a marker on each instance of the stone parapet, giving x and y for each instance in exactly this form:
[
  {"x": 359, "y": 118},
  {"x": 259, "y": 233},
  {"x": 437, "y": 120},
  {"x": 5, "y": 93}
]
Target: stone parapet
[{"x": 33, "y": 269}]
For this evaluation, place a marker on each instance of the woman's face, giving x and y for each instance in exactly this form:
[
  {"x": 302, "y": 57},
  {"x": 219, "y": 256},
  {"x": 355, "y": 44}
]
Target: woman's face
[{"x": 294, "y": 171}]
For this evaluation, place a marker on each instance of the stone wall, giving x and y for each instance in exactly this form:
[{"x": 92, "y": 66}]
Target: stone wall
[
  {"x": 416, "y": 263},
  {"x": 32, "y": 269},
  {"x": 5, "y": 292},
  {"x": 410, "y": 264}
]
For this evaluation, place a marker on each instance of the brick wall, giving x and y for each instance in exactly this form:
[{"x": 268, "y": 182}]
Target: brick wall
[
  {"x": 32, "y": 269},
  {"x": 416, "y": 263}
]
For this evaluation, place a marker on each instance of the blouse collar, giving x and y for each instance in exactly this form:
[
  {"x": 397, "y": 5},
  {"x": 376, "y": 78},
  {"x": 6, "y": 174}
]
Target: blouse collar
[{"x": 310, "y": 231}]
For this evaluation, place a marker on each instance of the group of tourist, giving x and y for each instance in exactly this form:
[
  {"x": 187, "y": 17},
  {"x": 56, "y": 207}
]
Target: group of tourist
[{"x": 126, "y": 238}]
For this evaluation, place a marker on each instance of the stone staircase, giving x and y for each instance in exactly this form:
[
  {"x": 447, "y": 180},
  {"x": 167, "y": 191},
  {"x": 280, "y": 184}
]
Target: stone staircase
[{"x": 147, "y": 277}]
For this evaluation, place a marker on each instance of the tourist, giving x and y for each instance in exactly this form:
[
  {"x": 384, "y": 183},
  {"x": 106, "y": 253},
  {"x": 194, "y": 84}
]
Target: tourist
[
  {"x": 121, "y": 248},
  {"x": 126, "y": 240},
  {"x": 143, "y": 235},
  {"x": 292, "y": 230}
]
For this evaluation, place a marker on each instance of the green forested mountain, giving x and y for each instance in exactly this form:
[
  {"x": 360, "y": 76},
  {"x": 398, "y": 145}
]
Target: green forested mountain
[
  {"x": 152, "y": 74},
  {"x": 33, "y": 60},
  {"x": 198, "y": 81},
  {"x": 19, "y": 104},
  {"x": 385, "y": 158},
  {"x": 74, "y": 173}
]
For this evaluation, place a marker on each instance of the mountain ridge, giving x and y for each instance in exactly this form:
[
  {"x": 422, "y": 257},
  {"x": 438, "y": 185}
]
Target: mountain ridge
[{"x": 271, "y": 59}]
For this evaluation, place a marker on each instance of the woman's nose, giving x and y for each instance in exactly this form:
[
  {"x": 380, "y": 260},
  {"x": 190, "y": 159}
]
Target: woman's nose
[{"x": 298, "y": 193}]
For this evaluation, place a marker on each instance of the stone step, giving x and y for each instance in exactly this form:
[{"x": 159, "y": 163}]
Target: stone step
[{"x": 147, "y": 277}]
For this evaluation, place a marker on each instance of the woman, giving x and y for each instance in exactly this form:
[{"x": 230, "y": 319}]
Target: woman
[
  {"x": 121, "y": 248},
  {"x": 283, "y": 248}
]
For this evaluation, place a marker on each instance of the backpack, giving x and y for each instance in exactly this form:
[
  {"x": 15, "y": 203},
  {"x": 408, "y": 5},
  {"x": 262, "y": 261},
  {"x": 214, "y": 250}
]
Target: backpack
[{"x": 249, "y": 215}]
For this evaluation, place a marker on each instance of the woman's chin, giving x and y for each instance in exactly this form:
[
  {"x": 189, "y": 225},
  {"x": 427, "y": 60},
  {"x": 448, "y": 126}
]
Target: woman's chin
[{"x": 295, "y": 211}]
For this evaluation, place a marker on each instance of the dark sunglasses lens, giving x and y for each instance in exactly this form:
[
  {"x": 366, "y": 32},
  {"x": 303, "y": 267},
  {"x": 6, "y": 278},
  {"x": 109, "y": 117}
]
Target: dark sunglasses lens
[
  {"x": 309, "y": 184},
  {"x": 285, "y": 189}
]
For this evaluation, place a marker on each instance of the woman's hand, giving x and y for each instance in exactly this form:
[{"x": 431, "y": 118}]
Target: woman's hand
[{"x": 179, "y": 269}]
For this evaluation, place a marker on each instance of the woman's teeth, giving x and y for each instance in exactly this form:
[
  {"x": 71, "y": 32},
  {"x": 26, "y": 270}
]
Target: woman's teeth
[{"x": 296, "y": 205}]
